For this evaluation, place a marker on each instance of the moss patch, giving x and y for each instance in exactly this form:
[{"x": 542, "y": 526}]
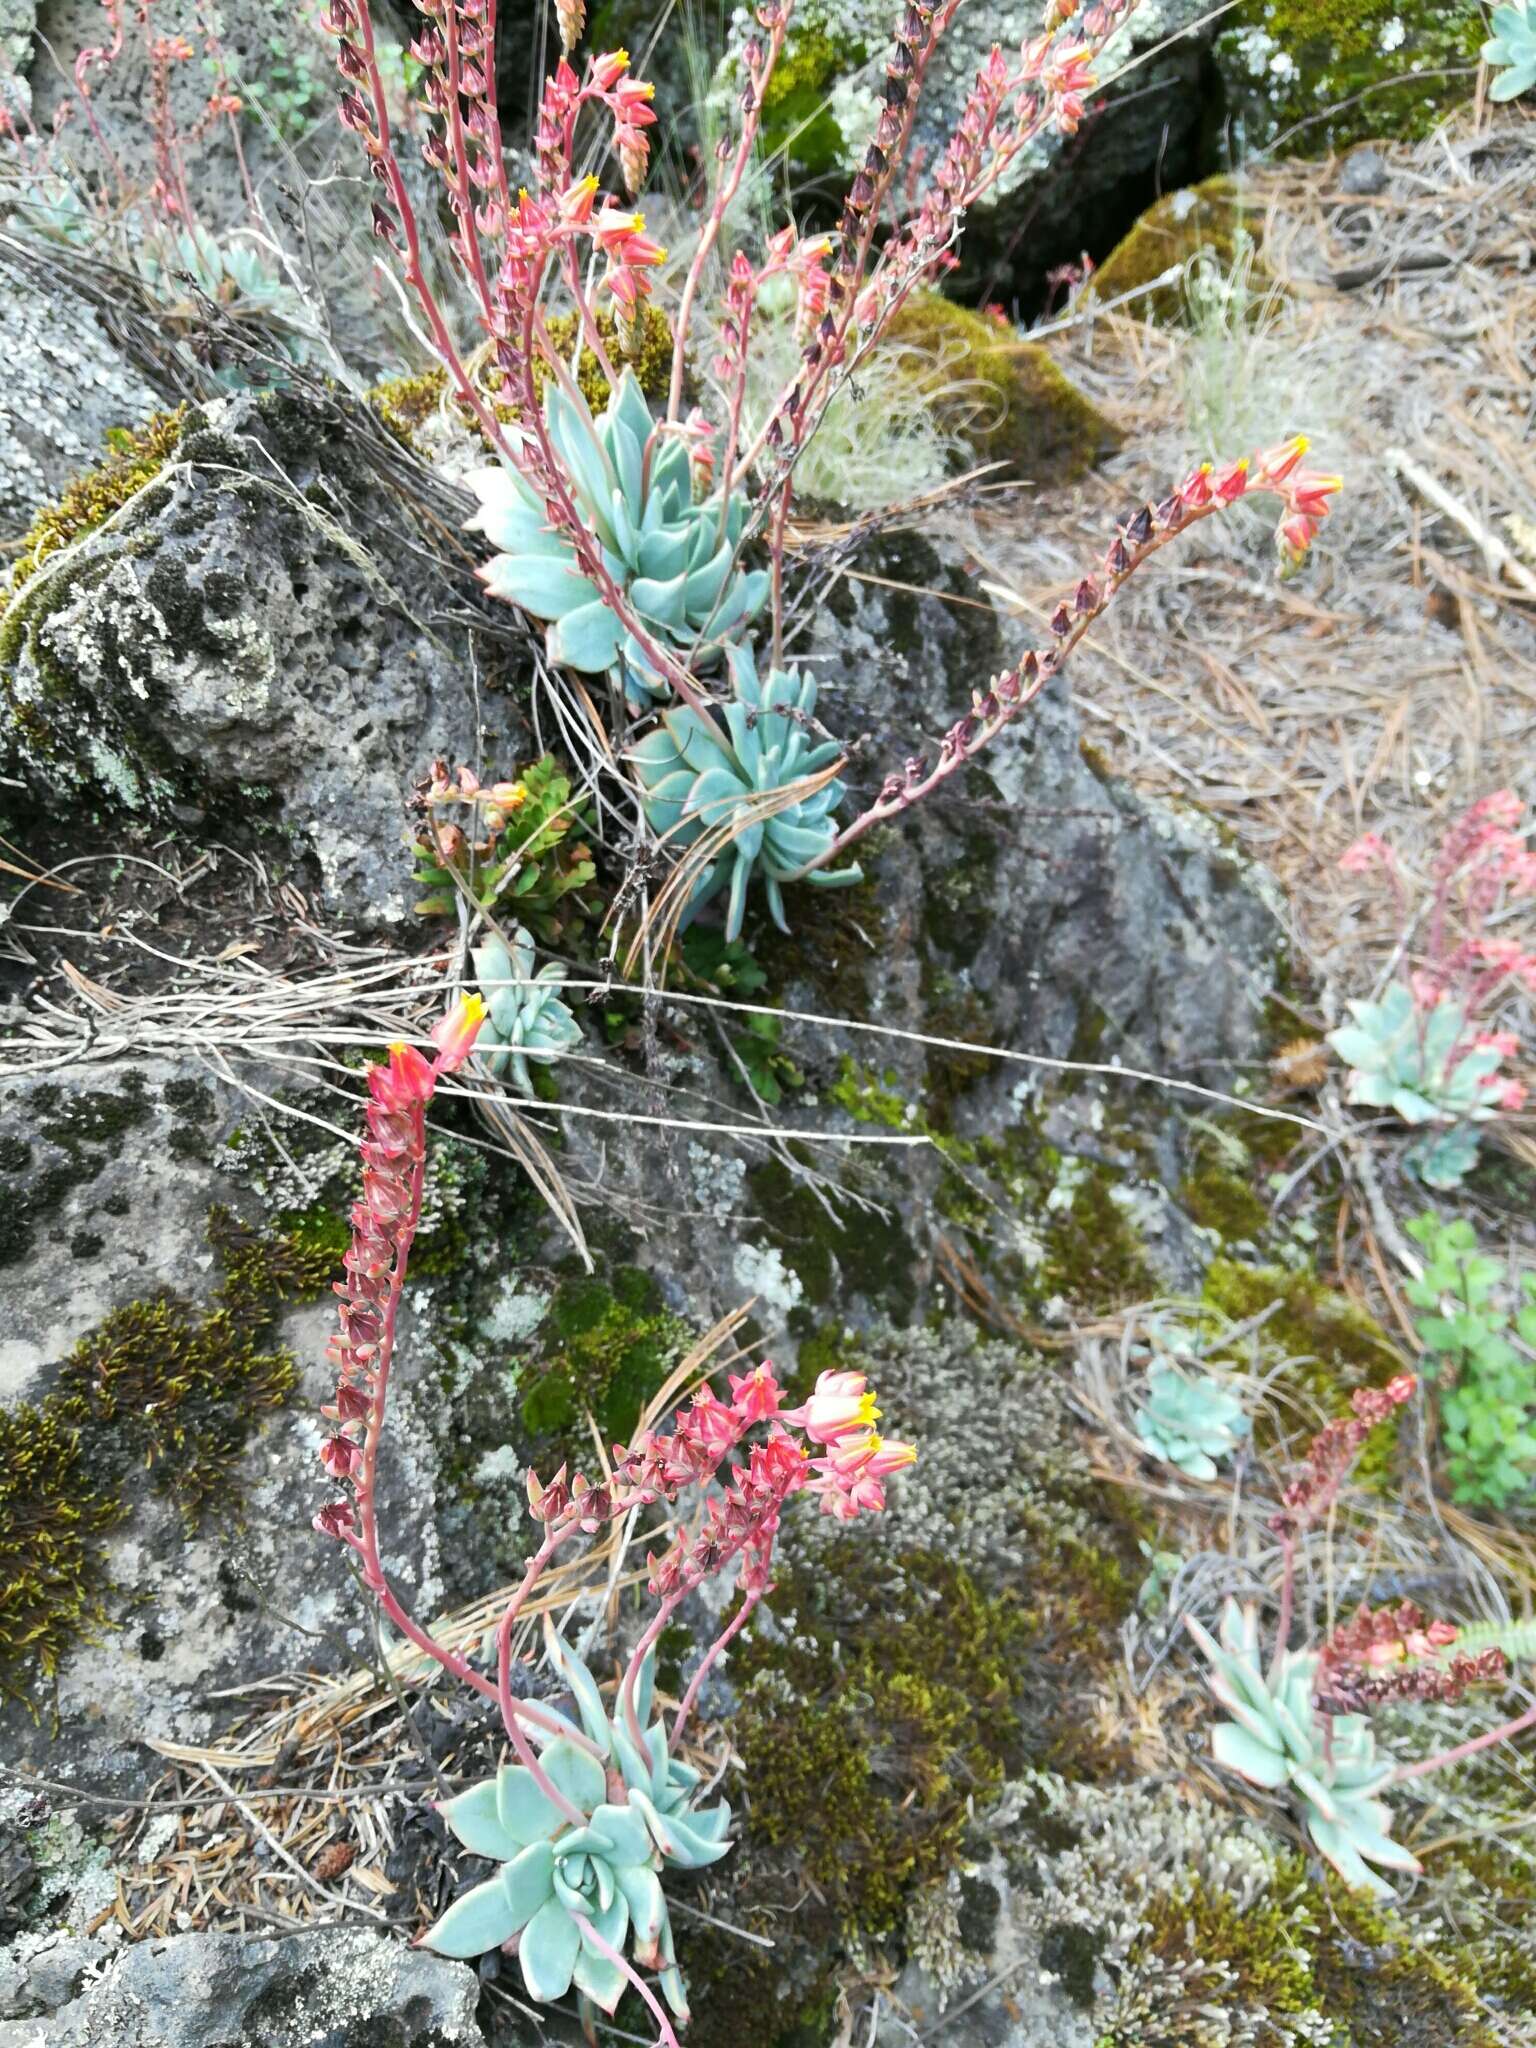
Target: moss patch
[
  {"x": 138, "y": 454},
  {"x": 795, "y": 118},
  {"x": 614, "y": 1345},
  {"x": 898, "y": 1714},
  {"x": 158, "y": 1386},
  {"x": 1341, "y": 71},
  {"x": 1337, "y": 1344},
  {"x": 1010, "y": 401},
  {"x": 1205, "y": 216}
]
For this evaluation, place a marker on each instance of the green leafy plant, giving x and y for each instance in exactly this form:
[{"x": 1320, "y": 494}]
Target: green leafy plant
[
  {"x": 525, "y": 848},
  {"x": 700, "y": 775},
  {"x": 1277, "y": 1739},
  {"x": 525, "y": 1017},
  {"x": 675, "y": 557},
  {"x": 1189, "y": 1421},
  {"x": 1480, "y": 1362},
  {"x": 1511, "y": 51},
  {"x": 768, "y": 1067},
  {"x": 575, "y": 1891}
]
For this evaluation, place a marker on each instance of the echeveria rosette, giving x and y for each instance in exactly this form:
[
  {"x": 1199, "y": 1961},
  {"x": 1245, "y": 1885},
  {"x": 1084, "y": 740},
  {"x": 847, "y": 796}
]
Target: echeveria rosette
[
  {"x": 1408, "y": 1059},
  {"x": 675, "y": 560},
  {"x": 1511, "y": 52},
  {"x": 1189, "y": 1421},
  {"x": 526, "y": 1019},
  {"x": 698, "y": 773},
  {"x": 637, "y": 1819},
  {"x": 1277, "y": 1739}
]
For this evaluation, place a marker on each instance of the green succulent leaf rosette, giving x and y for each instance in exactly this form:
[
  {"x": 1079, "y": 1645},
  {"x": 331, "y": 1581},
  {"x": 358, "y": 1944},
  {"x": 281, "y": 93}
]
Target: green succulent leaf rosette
[
  {"x": 525, "y": 1017},
  {"x": 566, "y": 1890},
  {"x": 698, "y": 773},
  {"x": 675, "y": 560},
  {"x": 1276, "y": 1739},
  {"x": 1189, "y": 1421},
  {"x": 1511, "y": 52},
  {"x": 1405, "y": 1059}
]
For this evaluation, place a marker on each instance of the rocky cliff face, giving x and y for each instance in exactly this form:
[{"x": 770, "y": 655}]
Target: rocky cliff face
[{"x": 250, "y": 663}]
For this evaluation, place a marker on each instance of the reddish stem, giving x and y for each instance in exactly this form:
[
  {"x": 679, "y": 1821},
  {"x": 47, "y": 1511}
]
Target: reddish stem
[
  {"x": 1502, "y": 1733},
  {"x": 716, "y": 1649}
]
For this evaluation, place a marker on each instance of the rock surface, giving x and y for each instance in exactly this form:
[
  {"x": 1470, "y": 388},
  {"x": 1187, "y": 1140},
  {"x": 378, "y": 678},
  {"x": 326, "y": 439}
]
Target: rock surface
[
  {"x": 67, "y": 382},
  {"x": 261, "y": 627},
  {"x": 111, "y": 1183},
  {"x": 334, "y": 1988}
]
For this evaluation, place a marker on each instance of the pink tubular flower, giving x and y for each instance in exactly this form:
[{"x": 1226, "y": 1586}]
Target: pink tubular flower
[
  {"x": 756, "y": 1396},
  {"x": 455, "y": 1036},
  {"x": 1370, "y": 850},
  {"x": 840, "y": 1407}
]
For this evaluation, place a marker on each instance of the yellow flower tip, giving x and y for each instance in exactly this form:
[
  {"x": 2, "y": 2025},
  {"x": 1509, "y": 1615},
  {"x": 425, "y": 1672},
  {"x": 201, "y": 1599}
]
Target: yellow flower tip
[
  {"x": 650, "y": 91},
  {"x": 1205, "y": 469},
  {"x": 620, "y": 57},
  {"x": 397, "y": 1046},
  {"x": 1244, "y": 466},
  {"x": 1301, "y": 443},
  {"x": 472, "y": 1008},
  {"x": 587, "y": 184}
]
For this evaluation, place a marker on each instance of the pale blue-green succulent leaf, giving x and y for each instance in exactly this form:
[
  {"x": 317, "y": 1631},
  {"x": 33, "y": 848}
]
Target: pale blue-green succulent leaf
[
  {"x": 759, "y": 745},
  {"x": 482, "y": 1919},
  {"x": 549, "y": 586},
  {"x": 475, "y": 1818},
  {"x": 589, "y": 1701},
  {"x": 1244, "y": 1753},
  {"x": 526, "y": 1814},
  {"x": 548, "y": 1950},
  {"x": 631, "y": 486},
  {"x": 576, "y": 1773},
  {"x": 528, "y": 1881},
  {"x": 586, "y": 639},
  {"x": 1280, "y": 1740}
]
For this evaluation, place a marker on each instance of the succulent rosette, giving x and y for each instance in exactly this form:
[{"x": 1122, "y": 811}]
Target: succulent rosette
[
  {"x": 571, "y": 1893},
  {"x": 1277, "y": 1738},
  {"x": 1189, "y": 1420},
  {"x": 674, "y": 558},
  {"x": 699, "y": 773}
]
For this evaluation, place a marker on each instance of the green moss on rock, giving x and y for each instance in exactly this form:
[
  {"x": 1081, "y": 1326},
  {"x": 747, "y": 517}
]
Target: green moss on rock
[
  {"x": 613, "y": 1345},
  {"x": 1208, "y": 216},
  {"x": 1005, "y": 397},
  {"x": 867, "y": 1738},
  {"x": 1328, "y": 73},
  {"x": 137, "y": 455},
  {"x": 159, "y": 1386}
]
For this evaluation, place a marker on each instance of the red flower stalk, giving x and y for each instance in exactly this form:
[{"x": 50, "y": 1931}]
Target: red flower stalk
[
  {"x": 1274, "y": 472},
  {"x": 1393, "y": 1655},
  {"x": 1333, "y": 1451}
]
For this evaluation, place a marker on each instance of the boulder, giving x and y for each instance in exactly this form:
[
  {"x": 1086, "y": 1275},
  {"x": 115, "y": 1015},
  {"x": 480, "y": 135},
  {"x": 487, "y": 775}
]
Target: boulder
[
  {"x": 166, "y": 1274},
  {"x": 1205, "y": 220},
  {"x": 254, "y": 633},
  {"x": 1006, "y": 398},
  {"x": 334, "y": 1988}
]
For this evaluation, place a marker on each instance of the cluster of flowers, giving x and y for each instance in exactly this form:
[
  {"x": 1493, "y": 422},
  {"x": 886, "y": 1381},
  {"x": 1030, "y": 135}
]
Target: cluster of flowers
[
  {"x": 1483, "y": 865},
  {"x": 1333, "y": 1451},
  {"x": 1388, "y": 1655},
  {"x": 384, "y": 1219}
]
